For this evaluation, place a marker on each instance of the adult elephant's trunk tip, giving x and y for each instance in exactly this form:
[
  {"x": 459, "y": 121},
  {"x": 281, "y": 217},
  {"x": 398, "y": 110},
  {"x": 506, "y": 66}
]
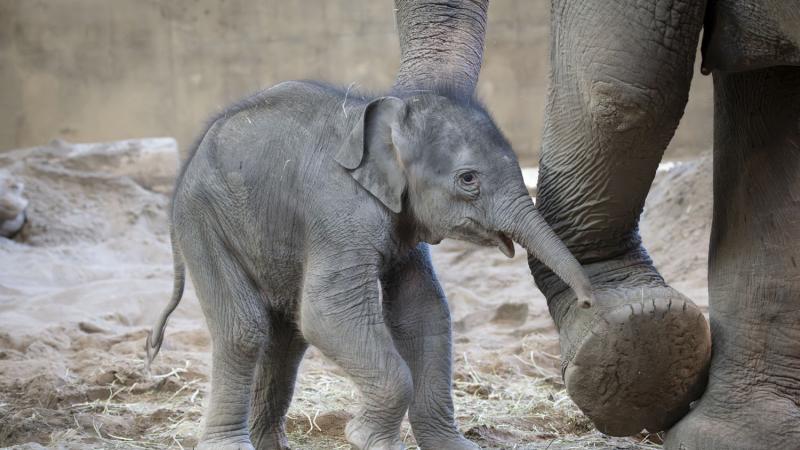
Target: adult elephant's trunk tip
[{"x": 526, "y": 226}]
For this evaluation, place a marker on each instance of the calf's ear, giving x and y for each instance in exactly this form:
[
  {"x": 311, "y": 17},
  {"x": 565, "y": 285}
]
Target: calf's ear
[{"x": 369, "y": 154}]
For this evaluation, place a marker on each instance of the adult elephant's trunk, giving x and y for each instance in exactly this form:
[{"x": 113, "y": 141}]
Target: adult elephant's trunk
[
  {"x": 441, "y": 43},
  {"x": 523, "y": 223}
]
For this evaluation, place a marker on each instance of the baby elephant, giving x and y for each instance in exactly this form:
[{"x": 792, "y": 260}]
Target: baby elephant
[{"x": 302, "y": 216}]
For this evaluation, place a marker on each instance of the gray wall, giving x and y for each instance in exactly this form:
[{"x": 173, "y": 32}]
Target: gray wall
[{"x": 89, "y": 70}]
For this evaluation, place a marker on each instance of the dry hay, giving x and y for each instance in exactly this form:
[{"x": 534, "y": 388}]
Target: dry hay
[{"x": 119, "y": 406}]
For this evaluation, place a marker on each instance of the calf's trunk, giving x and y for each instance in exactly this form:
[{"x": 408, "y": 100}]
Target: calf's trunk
[{"x": 525, "y": 225}]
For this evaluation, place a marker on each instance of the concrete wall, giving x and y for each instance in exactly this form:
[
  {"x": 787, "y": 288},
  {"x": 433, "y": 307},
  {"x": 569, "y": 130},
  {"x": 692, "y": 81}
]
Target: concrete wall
[{"x": 89, "y": 70}]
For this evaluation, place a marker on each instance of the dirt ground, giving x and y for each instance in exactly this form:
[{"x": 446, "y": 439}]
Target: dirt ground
[{"x": 92, "y": 270}]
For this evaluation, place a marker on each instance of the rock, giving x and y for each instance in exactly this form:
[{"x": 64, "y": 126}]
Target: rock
[
  {"x": 93, "y": 192},
  {"x": 513, "y": 314},
  {"x": 90, "y": 328},
  {"x": 151, "y": 162},
  {"x": 12, "y": 204}
]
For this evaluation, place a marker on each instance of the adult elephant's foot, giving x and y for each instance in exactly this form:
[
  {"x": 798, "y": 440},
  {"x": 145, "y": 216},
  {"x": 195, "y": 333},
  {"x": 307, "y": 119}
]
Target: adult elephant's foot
[
  {"x": 640, "y": 356},
  {"x": 759, "y": 418}
]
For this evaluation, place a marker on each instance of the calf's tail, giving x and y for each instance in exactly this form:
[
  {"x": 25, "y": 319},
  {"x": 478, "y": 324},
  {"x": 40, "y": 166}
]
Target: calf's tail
[{"x": 156, "y": 335}]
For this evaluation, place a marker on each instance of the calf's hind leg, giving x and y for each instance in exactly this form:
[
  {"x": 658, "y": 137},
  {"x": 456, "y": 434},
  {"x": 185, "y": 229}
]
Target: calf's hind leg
[
  {"x": 274, "y": 384},
  {"x": 239, "y": 328}
]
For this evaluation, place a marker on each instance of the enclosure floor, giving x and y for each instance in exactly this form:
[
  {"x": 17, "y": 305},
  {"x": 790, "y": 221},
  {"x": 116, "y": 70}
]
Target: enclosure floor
[{"x": 77, "y": 298}]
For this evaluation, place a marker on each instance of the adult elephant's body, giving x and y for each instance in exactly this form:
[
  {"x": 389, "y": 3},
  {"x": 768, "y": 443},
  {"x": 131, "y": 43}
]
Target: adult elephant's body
[{"x": 620, "y": 79}]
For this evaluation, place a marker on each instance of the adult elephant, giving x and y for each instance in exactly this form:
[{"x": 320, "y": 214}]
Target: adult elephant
[{"x": 620, "y": 77}]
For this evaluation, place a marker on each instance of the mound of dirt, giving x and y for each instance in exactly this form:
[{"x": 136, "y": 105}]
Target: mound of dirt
[
  {"x": 676, "y": 225},
  {"x": 80, "y": 286}
]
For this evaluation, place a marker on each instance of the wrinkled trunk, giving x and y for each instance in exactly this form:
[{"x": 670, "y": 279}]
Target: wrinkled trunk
[
  {"x": 441, "y": 43},
  {"x": 523, "y": 223}
]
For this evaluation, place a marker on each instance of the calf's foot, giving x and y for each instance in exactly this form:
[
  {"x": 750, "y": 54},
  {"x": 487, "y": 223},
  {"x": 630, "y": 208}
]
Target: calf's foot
[
  {"x": 363, "y": 434},
  {"x": 236, "y": 444},
  {"x": 271, "y": 440},
  {"x": 442, "y": 442},
  {"x": 640, "y": 356},
  {"x": 456, "y": 443}
]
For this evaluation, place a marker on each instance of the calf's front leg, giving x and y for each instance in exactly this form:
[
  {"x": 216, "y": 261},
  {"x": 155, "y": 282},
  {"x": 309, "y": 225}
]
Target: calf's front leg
[
  {"x": 341, "y": 314},
  {"x": 419, "y": 319},
  {"x": 274, "y": 384}
]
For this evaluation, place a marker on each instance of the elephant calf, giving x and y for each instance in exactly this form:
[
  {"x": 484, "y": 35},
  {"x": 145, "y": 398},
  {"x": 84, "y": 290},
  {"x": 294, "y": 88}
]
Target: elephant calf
[{"x": 303, "y": 215}]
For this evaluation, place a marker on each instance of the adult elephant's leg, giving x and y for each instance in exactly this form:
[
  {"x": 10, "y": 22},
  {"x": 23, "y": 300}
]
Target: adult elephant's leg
[
  {"x": 419, "y": 320},
  {"x": 274, "y": 384},
  {"x": 753, "y": 395},
  {"x": 619, "y": 83}
]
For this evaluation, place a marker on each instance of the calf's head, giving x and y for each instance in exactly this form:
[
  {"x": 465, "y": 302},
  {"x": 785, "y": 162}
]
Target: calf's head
[{"x": 441, "y": 161}]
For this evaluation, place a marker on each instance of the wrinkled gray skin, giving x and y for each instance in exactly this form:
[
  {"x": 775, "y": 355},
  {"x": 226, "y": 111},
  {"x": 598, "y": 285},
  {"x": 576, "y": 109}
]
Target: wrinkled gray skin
[
  {"x": 301, "y": 216},
  {"x": 619, "y": 82}
]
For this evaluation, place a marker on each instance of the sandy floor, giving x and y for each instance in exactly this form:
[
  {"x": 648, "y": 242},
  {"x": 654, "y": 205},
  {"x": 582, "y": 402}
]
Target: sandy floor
[{"x": 80, "y": 288}]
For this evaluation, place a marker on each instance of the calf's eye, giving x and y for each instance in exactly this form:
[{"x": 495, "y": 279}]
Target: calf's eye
[
  {"x": 468, "y": 178},
  {"x": 468, "y": 183}
]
